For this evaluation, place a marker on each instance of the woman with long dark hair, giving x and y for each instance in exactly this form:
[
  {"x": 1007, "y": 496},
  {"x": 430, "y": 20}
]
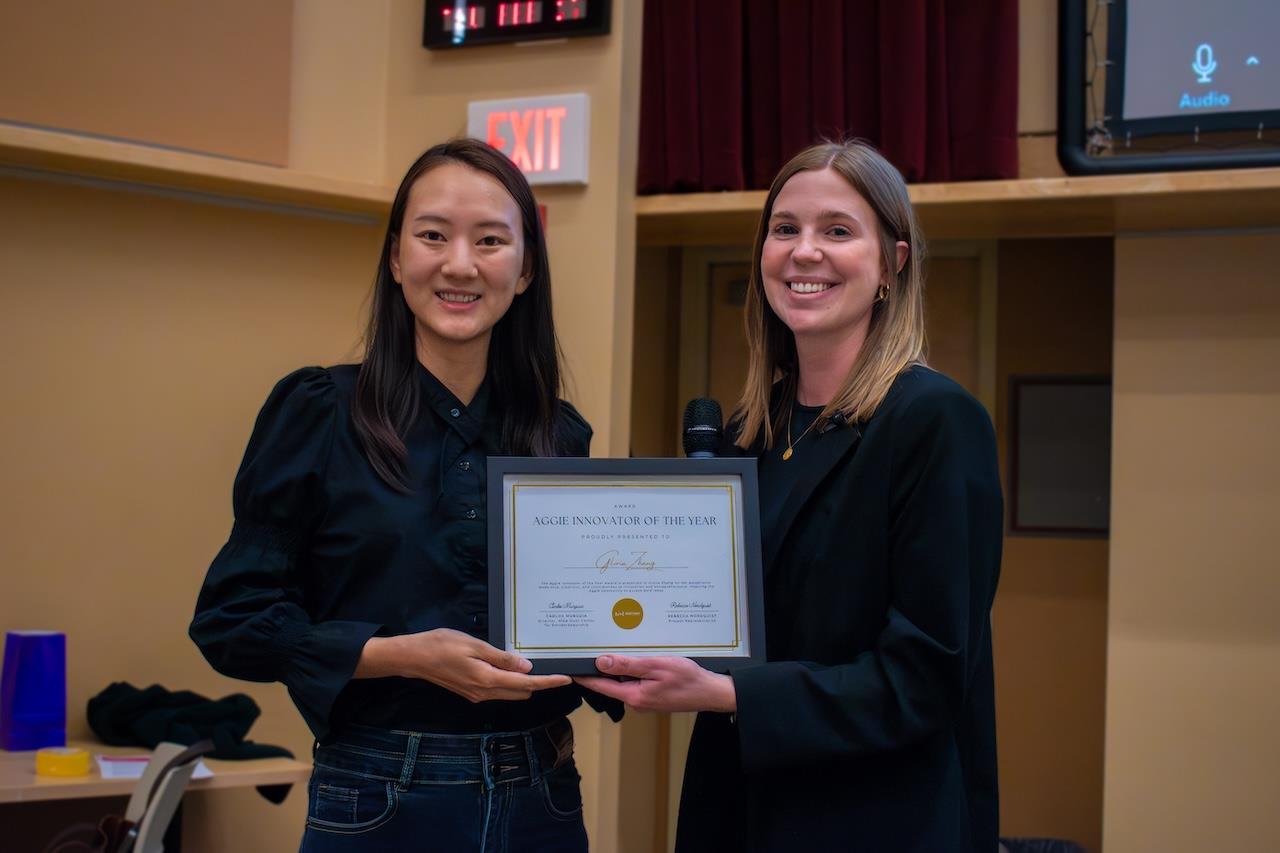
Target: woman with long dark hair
[
  {"x": 872, "y": 725},
  {"x": 356, "y": 571}
]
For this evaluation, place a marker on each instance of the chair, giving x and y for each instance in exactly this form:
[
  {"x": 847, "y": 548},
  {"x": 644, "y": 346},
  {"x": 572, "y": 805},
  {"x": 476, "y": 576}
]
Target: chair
[
  {"x": 158, "y": 793},
  {"x": 151, "y": 807}
]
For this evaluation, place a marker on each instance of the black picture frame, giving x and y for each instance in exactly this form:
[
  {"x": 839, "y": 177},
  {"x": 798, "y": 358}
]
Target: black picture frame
[
  {"x": 751, "y": 563},
  {"x": 1074, "y": 425}
]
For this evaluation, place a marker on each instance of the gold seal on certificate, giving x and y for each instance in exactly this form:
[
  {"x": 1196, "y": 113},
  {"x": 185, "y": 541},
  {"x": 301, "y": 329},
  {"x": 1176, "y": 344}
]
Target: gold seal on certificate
[{"x": 636, "y": 556}]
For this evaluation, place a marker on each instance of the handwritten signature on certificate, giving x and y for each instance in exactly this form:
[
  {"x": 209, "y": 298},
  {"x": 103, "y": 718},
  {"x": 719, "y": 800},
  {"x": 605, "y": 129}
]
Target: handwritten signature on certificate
[{"x": 639, "y": 562}]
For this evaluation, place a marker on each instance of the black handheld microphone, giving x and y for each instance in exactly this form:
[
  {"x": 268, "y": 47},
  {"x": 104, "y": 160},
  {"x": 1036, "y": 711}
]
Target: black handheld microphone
[
  {"x": 703, "y": 428},
  {"x": 836, "y": 421}
]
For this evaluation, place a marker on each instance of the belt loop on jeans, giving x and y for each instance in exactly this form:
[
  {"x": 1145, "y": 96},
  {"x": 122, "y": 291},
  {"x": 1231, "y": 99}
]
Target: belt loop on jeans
[
  {"x": 560, "y": 735},
  {"x": 410, "y": 760},
  {"x": 486, "y": 761},
  {"x": 535, "y": 766}
]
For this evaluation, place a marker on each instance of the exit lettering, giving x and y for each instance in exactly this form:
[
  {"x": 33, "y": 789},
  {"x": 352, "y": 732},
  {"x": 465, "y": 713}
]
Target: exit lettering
[
  {"x": 545, "y": 136},
  {"x": 534, "y": 136}
]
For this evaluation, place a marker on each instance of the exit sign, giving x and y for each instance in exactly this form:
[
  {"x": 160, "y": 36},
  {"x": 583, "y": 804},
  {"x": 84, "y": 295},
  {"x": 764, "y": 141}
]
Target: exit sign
[{"x": 546, "y": 137}]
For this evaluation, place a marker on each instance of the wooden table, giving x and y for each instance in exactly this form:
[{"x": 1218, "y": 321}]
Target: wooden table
[
  {"x": 22, "y": 790},
  {"x": 20, "y": 784}
]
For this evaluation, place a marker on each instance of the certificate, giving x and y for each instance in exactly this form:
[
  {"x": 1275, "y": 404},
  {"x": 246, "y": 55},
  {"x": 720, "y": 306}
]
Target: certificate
[{"x": 634, "y": 556}]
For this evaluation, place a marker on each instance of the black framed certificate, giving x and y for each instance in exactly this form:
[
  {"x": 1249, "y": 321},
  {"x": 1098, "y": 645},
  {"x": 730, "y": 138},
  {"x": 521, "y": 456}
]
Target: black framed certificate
[{"x": 630, "y": 556}]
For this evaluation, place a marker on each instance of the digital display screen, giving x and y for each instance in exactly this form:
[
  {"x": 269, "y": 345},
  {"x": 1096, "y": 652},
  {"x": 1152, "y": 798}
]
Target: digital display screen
[
  {"x": 457, "y": 23},
  {"x": 1192, "y": 58}
]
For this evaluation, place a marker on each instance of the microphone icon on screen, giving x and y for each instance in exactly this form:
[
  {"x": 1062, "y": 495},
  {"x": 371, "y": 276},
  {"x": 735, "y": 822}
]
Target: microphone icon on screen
[{"x": 1204, "y": 64}]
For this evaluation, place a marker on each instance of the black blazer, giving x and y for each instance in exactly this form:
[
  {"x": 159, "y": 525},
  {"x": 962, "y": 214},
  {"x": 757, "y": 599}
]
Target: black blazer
[{"x": 872, "y": 727}]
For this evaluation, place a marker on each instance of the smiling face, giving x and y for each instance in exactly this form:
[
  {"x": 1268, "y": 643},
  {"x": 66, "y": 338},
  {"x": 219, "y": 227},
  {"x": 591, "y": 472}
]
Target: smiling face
[
  {"x": 459, "y": 257},
  {"x": 821, "y": 262}
]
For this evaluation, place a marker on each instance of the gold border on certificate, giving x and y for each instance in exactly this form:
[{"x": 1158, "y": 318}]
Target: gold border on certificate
[{"x": 734, "y": 554}]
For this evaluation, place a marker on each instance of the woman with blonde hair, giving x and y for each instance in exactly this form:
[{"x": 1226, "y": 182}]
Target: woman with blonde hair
[{"x": 872, "y": 725}]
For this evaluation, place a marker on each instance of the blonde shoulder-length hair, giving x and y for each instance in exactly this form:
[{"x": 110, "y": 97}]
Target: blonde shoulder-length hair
[{"x": 896, "y": 338}]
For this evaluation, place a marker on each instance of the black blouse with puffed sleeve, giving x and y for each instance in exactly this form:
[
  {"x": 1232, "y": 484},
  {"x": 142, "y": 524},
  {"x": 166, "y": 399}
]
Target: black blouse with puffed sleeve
[{"x": 324, "y": 555}]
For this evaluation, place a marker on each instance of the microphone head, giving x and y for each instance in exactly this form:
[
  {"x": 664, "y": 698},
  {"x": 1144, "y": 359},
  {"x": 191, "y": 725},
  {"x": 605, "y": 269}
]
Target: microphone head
[
  {"x": 703, "y": 427},
  {"x": 836, "y": 421}
]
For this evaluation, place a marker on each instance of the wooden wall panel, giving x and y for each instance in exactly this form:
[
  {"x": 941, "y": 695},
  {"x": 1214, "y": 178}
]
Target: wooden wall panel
[
  {"x": 1193, "y": 655},
  {"x": 207, "y": 77},
  {"x": 1050, "y": 615}
]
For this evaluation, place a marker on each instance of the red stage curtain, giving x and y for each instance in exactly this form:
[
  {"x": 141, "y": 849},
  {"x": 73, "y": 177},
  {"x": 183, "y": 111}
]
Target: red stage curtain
[{"x": 733, "y": 88}]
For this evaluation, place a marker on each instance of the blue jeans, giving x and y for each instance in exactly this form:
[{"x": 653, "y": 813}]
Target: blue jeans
[{"x": 512, "y": 792}]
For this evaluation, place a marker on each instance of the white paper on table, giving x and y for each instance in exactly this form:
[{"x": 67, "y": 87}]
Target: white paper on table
[{"x": 132, "y": 767}]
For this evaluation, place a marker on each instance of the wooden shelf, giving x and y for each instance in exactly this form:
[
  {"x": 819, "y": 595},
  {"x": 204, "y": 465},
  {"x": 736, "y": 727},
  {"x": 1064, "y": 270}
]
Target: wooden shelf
[
  {"x": 33, "y": 149},
  {"x": 1036, "y": 207},
  {"x": 20, "y": 784}
]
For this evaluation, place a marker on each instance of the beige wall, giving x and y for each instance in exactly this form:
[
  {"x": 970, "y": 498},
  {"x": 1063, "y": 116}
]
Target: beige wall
[
  {"x": 1193, "y": 664},
  {"x": 338, "y": 89},
  {"x": 1050, "y": 616},
  {"x": 1037, "y": 66},
  {"x": 1038, "y": 86},
  {"x": 140, "y": 336},
  {"x": 208, "y": 77}
]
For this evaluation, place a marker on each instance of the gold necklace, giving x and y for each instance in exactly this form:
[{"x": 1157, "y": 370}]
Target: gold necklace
[{"x": 786, "y": 454}]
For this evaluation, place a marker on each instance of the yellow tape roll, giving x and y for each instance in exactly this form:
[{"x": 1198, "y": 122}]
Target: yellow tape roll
[{"x": 62, "y": 761}]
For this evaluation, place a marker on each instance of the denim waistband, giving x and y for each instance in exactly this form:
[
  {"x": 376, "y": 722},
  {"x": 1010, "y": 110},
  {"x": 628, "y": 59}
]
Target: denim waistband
[{"x": 410, "y": 758}]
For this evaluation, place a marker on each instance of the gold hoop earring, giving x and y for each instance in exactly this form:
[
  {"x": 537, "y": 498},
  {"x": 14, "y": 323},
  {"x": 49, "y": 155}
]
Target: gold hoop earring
[{"x": 882, "y": 294}]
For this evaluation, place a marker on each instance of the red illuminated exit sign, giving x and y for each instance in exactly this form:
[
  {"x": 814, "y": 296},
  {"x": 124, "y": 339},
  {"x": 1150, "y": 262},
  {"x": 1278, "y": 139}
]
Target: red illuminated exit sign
[{"x": 546, "y": 136}]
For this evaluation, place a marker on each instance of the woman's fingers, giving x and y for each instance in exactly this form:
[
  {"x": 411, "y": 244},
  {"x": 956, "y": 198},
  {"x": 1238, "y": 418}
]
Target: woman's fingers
[
  {"x": 459, "y": 643},
  {"x": 545, "y": 682},
  {"x": 626, "y": 691},
  {"x": 476, "y": 670},
  {"x": 632, "y": 667},
  {"x": 662, "y": 684},
  {"x": 491, "y": 680},
  {"x": 497, "y": 657}
]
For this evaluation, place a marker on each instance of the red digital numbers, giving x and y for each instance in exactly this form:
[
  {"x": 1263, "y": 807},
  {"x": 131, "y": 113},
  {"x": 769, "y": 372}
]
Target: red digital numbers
[
  {"x": 462, "y": 18},
  {"x": 465, "y": 18},
  {"x": 570, "y": 10},
  {"x": 516, "y": 14}
]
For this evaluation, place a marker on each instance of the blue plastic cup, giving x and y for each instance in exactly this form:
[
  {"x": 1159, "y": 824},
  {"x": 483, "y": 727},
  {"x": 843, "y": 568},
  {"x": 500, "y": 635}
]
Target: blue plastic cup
[{"x": 33, "y": 690}]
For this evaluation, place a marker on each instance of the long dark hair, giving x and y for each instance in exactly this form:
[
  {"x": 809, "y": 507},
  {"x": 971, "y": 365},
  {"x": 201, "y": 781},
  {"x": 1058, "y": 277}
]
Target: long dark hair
[{"x": 524, "y": 355}]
